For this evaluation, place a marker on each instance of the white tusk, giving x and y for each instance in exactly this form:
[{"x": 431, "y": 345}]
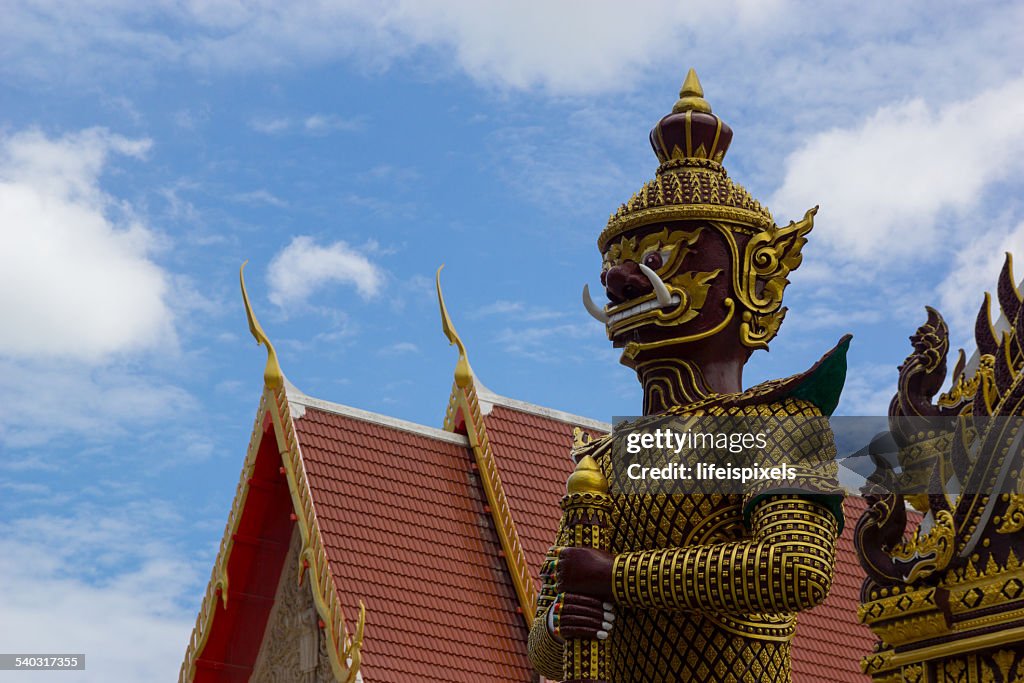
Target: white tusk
[
  {"x": 592, "y": 308},
  {"x": 660, "y": 290}
]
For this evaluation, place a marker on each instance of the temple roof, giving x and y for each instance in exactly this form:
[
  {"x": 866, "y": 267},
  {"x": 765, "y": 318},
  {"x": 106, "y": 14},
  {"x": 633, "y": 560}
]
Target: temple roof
[
  {"x": 438, "y": 532},
  {"x": 353, "y": 461}
]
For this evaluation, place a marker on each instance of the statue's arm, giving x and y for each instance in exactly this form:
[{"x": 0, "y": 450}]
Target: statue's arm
[
  {"x": 786, "y": 566},
  {"x": 545, "y": 650}
]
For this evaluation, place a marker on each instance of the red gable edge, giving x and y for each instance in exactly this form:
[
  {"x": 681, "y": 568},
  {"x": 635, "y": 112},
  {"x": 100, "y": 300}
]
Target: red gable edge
[{"x": 272, "y": 494}]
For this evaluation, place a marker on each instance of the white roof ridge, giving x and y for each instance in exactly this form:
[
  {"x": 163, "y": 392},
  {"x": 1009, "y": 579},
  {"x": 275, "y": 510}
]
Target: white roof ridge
[
  {"x": 485, "y": 394},
  {"x": 297, "y": 397}
]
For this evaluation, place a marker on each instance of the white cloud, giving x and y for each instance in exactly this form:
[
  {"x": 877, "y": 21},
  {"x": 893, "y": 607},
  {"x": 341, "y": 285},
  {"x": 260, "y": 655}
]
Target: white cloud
[
  {"x": 905, "y": 173},
  {"x": 399, "y": 349},
  {"x": 571, "y": 46},
  {"x": 257, "y": 197},
  {"x": 321, "y": 124},
  {"x": 52, "y": 399},
  {"x": 868, "y": 390},
  {"x": 92, "y": 580},
  {"x": 270, "y": 126},
  {"x": 304, "y": 266},
  {"x": 75, "y": 267},
  {"x": 517, "y": 310},
  {"x": 314, "y": 124},
  {"x": 974, "y": 271},
  {"x": 820, "y": 317},
  {"x": 547, "y": 344},
  {"x": 832, "y": 54}
]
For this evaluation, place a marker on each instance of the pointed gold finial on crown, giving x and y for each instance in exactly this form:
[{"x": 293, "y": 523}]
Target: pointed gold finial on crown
[{"x": 691, "y": 96}]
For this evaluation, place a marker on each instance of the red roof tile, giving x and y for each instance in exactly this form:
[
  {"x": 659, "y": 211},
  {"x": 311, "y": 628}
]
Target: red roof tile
[
  {"x": 440, "y": 604},
  {"x": 830, "y": 642},
  {"x": 532, "y": 455},
  {"x": 402, "y": 518}
]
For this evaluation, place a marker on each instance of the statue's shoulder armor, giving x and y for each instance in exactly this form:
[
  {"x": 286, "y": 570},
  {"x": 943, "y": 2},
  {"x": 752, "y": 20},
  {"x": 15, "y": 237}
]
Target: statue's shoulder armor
[{"x": 820, "y": 385}]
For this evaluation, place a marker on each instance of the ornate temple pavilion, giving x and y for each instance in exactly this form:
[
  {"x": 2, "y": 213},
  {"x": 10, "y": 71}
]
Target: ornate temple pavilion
[{"x": 363, "y": 547}]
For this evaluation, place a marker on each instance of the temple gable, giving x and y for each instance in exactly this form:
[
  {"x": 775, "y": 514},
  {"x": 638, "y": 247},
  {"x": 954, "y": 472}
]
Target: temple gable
[{"x": 293, "y": 647}]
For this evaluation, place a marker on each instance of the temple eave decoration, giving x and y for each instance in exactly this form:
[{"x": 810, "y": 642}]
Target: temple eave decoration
[
  {"x": 465, "y": 414},
  {"x": 274, "y": 420},
  {"x": 945, "y": 597}
]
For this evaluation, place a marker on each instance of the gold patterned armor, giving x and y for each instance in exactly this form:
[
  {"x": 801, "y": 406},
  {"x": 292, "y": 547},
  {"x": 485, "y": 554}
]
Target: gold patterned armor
[{"x": 700, "y": 595}]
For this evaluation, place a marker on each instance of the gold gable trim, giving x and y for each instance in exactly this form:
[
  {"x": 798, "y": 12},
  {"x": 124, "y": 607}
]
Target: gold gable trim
[
  {"x": 344, "y": 648},
  {"x": 464, "y": 397},
  {"x": 218, "y": 585}
]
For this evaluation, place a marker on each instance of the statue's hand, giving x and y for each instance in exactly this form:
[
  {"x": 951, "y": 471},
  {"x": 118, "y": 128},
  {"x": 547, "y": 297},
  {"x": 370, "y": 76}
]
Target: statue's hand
[
  {"x": 585, "y": 571},
  {"x": 579, "y": 616}
]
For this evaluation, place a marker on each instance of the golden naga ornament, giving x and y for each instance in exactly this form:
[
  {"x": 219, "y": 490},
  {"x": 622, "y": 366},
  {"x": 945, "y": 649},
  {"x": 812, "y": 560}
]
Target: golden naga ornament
[{"x": 946, "y": 598}]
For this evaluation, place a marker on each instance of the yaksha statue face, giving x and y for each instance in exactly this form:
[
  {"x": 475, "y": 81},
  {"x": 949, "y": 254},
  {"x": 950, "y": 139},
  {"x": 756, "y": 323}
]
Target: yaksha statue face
[{"x": 692, "y": 259}]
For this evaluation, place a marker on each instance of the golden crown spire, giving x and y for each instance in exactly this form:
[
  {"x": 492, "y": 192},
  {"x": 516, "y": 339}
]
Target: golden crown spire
[{"x": 691, "y": 96}]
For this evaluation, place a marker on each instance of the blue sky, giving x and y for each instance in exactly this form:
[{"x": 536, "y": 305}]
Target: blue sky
[{"x": 347, "y": 150}]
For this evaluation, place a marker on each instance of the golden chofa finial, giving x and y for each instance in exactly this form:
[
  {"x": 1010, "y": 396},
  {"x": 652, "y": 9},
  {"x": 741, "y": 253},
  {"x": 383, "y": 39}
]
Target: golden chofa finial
[
  {"x": 272, "y": 375},
  {"x": 586, "y": 478},
  {"x": 463, "y": 373},
  {"x": 691, "y": 96}
]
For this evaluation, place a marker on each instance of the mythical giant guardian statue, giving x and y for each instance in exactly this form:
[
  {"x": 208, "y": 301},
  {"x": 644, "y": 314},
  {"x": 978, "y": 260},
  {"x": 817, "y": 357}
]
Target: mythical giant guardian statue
[{"x": 705, "y": 585}]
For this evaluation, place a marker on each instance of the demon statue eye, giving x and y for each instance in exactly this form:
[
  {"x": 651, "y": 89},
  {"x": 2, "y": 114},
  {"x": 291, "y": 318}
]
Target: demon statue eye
[{"x": 653, "y": 260}]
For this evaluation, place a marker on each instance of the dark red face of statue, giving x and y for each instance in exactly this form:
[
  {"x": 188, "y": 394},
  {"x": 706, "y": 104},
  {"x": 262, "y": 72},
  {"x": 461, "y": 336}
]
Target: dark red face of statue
[{"x": 691, "y": 260}]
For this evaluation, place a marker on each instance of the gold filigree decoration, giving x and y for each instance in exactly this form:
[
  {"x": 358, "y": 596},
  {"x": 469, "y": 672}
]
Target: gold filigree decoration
[
  {"x": 1013, "y": 518},
  {"x": 696, "y": 286},
  {"x": 692, "y": 290},
  {"x": 768, "y": 258},
  {"x": 1003, "y": 659},
  {"x": 673, "y": 245},
  {"x": 757, "y": 330},
  {"x": 930, "y": 552},
  {"x": 217, "y": 588},
  {"x": 688, "y": 189},
  {"x": 633, "y": 349},
  {"x": 346, "y": 647},
  {"x": 273, "y": 377},
  {"x": 760, "y": 275},
  {"x": 963, "y": 388},
  {"x": 986, "y": 374},
  {"x": 913, "y": 673}
]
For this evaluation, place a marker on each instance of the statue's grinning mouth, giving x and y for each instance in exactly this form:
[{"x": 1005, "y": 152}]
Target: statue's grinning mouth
[
  {"x": 663, "y": 299},
  {"x": 637, "y": 309}
]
